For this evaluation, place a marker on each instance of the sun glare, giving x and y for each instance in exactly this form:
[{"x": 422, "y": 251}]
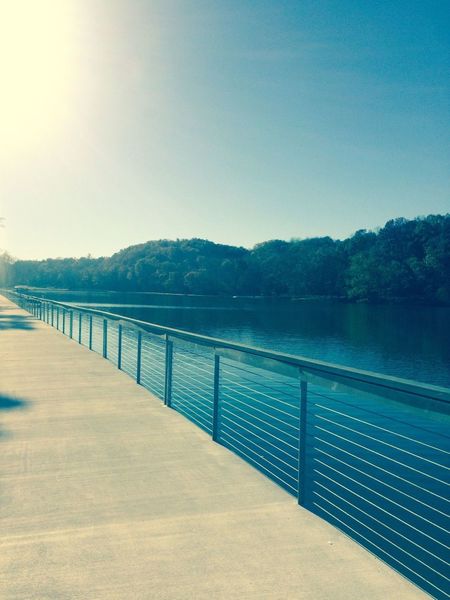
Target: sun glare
[{"x": 36, "y": 69}]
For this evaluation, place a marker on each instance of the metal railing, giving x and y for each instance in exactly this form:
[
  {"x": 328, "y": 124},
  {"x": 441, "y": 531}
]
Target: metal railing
[{"x": 367, "y": 452}]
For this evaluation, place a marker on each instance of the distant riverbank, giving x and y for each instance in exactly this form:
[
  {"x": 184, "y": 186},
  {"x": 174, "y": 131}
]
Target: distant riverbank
[{"x": 405, "y": 262}]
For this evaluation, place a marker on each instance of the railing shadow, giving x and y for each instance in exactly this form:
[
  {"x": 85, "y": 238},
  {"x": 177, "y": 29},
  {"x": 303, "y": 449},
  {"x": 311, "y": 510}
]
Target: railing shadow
[
  {"x": 15, "y": 321},
  {"x": 7, "y": 403},
  {"x": 11, "y": 403}
]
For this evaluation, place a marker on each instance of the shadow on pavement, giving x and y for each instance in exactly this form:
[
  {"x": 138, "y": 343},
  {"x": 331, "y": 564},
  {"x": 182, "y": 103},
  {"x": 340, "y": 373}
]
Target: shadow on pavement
[
  {"x": 10, "y": 403},
  {"x": 9, "y": 320}
]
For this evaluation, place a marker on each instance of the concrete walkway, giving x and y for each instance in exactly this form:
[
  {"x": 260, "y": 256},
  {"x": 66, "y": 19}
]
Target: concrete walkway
[{"x": 107, "y": 494}]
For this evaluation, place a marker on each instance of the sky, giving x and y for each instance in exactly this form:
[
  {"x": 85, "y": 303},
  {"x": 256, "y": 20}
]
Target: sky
[{"x": 238, "y": 121}]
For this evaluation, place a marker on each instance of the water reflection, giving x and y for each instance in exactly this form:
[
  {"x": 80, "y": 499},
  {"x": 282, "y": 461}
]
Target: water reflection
[{"x": 409, "y": 342}]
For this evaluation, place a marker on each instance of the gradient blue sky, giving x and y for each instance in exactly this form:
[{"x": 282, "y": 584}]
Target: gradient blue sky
[{"x": 233, "y": 120}]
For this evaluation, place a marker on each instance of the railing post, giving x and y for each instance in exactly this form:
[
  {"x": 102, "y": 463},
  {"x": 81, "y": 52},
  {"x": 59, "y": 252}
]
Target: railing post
[
  {"x": 215, "y": 426},
  {"x": 168, "y": 382},
  {"x": 90, "y": 332},
  {"x": 71, "y": 324},
  {"x": 302, "y": 442},
  {"x": 139, "y": 357},
  {"x": 80, "y": 318},
  {"x": 105, "y": 338},
  {"x": 52, "y": 314},
  {"x": 64, "y": 321},
  {"x": 57, "y": 318},
  {"x": 119, "y": 348}
]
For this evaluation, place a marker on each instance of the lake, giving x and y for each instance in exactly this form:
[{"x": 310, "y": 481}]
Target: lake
[{"x": 405, "y": 341}]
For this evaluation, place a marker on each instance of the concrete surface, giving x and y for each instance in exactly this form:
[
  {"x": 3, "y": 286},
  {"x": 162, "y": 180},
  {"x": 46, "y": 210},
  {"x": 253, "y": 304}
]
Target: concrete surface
[{"x": 107, "y": 494}]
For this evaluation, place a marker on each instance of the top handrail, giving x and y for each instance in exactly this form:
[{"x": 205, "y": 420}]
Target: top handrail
[{"x": 385, "y": 385}]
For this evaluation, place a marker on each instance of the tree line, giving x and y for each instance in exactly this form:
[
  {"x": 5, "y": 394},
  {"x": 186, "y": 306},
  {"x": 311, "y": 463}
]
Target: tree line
[{"x": 406, "y": 260}]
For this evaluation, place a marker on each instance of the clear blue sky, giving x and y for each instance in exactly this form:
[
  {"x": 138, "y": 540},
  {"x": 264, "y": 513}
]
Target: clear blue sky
[{"x": 233, "y": 120}]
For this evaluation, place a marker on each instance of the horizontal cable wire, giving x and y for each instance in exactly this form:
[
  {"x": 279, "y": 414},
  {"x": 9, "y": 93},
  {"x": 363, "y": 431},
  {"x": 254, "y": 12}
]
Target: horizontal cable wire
[
  {"x": 270, "y": 406},
  {"x": 185, "y": 347},
  {"x": 258, "y": 410},
  {"x": 391, "y": 473},
  {"x": 267, "y": 424},
  {"x": 360, "y": 535},
  {"x": 188, "y": 408},
  {"x": 208, "y": 383},
  {"x": 373, "y": 531},
  {"x": 382, "y": 428},
  {"x": 186, "y": 413},
  {"x": 409, "y": 540},
  {"x": 255, "y": 371},
  {"x": 148, "y": 342},
  {"x": 145, "y": 362},
  {"x": 150, "y": 371},
  {"x": 382, "y": 455},
  {"x": 224, "y": 410},
  {"x": 180, "y": 361},
  {"x": 147, "y": 375},
  {"x": 374, "y": 439},
  {"x": 381, "y": 496},
  {"x": 160, "y": 354},
  {"x": 403, "y": 522},
  {"x": 278, "y": 390},
  {"x": 252, "y": 432},
  {"x": 260, "y": 456},
  {"x": 384, "y": 538},
  {"x": 158, "y": 359},
  {"x": 191, "y": 391},
  {"x": 313, "y": 392},
  {"x": 149, "y": 368},
  {"x": 189, "y": 401},
  {"x": 264, "y": 450},
  {"x": 206, "y": 365},
  {"x": 209, "y": 370},
  {"x": 255, "y": 391},
  {"x": 202, "y": 407},
  {"x": 242, "y": 378},
  {"x": 414, "y": 498},
  {"x": 204, "y": 386},
  {"x": 154, "y": 388},
  {"x": 260, "y": 466}
]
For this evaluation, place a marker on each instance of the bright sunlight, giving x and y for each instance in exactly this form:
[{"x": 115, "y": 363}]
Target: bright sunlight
[{"x": 36, "y": 69}]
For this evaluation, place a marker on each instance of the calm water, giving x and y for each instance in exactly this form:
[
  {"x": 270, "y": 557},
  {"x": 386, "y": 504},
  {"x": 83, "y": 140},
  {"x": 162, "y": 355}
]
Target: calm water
[{"x": 410, "y": 342}]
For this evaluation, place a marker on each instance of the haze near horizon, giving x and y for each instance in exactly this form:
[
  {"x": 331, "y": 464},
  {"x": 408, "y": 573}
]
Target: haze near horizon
[{"x": 125, "y": 121}]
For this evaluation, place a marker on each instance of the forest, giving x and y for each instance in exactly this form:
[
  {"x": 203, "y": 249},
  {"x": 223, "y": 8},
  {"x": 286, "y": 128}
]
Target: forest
[{"x": 404, "y": 261}]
